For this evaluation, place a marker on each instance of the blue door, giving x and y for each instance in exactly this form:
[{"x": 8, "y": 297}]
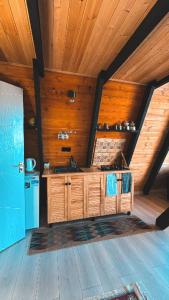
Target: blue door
[{"x": 12, "y": 203}]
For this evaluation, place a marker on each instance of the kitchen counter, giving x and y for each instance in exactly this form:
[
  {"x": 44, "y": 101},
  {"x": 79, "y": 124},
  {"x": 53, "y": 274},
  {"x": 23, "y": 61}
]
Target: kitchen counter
[
  {"x": 86, "y": 171},
  {"x": 79, "y": 195}
]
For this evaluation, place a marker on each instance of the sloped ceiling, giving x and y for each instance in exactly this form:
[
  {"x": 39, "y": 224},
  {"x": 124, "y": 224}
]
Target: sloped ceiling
[
  {"x": 150, "y": 61},
  {"x": 16, "y": 44},
  {"x": 84, "y": 36}
]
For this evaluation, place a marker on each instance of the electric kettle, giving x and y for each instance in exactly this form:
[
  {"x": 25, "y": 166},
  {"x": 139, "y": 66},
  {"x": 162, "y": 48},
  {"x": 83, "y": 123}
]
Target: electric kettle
[{"x": 30, "y": 164}]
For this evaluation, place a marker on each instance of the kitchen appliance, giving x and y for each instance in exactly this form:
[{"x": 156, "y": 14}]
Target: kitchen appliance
[
  {"x": 30, "y": 164},
  {"x": 113, "y": 167},
  {"x": 32, "y": 200}
]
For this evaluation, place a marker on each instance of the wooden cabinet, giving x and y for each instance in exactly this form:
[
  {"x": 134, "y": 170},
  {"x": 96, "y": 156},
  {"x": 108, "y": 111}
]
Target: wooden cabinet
[
  {"x": 121, "y": 203},
  {"x": 65, "y": 198},
  {"x": 57, "y": 199},
  {"x": 83, "y": 195},
  {"x": 94, "y": 195},
  {"x": 125, "y": 203},
  {"x": 76, "y": 197}
]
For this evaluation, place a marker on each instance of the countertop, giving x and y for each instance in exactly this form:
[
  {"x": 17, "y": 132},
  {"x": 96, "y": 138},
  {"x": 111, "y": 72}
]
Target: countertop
[{"x": 86, "y": 171}]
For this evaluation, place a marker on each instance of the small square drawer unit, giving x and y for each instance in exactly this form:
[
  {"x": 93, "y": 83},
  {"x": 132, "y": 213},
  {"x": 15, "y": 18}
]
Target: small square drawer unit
[{"x": 32, "y": 200}]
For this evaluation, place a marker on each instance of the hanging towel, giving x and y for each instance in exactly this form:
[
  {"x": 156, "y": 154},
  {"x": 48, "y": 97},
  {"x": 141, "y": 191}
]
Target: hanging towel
[
  {"x": 111, "y": 185},
  {"x": 126, "y": 183}
]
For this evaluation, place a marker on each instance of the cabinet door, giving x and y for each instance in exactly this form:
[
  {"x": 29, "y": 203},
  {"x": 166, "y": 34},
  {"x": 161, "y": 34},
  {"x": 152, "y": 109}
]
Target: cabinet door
[
  {"x": 76, "y": 198},
  {"x": 57, "y": 199},
  {"x": 125, "y": 200},
  {"x": 94, "y": 184},
  {"x": 110, "y": 204}
]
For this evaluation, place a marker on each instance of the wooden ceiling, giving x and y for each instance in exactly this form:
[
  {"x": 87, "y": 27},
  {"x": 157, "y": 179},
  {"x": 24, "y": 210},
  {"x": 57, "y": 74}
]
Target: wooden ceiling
[
  {"x": 151, "y": 60},
  {"x": 84, "y": 36},
  {"x": 16, "y": 44}
]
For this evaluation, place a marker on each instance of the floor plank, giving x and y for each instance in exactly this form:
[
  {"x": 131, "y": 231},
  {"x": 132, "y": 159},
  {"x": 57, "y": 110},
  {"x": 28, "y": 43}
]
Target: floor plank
[{"x": 91, "y": 269}]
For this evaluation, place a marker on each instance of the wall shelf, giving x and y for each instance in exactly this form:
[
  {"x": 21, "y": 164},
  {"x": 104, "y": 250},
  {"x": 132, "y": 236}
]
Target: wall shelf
[{"x": 114, "y": 130}]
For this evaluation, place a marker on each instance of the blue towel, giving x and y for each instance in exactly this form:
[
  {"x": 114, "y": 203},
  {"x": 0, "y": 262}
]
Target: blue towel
[
  {"x": 126, "y": 183},
  {"x": 111, "y": 185}
]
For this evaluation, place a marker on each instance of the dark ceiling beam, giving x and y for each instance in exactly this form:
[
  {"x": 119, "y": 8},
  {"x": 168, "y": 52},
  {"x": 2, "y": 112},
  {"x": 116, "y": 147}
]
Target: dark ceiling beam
[
  {"x": 140, "y": 120},
  {"x": 162, "y": 81},
  {"x": 157, "y": 165},
  {"x": 37, "y": 79},
  {"x": 98, "y": 96},
  {"x": 156, "y": 14},
  {"x": 33, "y": 10}
]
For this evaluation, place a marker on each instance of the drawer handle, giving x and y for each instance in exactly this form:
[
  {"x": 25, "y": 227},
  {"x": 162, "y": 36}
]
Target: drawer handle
[{"x": 68, "y": 183}]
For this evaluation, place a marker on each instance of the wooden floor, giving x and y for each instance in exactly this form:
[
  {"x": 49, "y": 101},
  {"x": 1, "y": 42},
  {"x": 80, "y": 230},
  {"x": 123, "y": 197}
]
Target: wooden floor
[{"x": 76, "y": 273}]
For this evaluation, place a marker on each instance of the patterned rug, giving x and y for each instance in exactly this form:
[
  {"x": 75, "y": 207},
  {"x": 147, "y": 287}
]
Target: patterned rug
[{"x": 76, "y": 233}]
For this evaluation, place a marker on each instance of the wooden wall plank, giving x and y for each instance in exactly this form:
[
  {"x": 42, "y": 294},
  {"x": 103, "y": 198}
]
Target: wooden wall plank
[
  {"x": 152, "y": 134},
  {"x": 58, "y": 114},
  {"x": 120, "y": 101}
]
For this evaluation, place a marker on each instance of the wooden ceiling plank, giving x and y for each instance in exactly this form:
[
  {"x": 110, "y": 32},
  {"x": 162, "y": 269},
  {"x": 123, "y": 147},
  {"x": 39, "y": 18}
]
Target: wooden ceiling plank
[
  {"x": 10, "y": 35},
  {"x": 61, "y": 19},
  {"x": 149, "y": 67},
  {"x": 6, "y": 45},
  {"x": 144, "y": 52},
  {"x": 157, "y": 13},
  {"x": 108, "y": 40},
  {"x": 20, "y": 16},
  {"x": 127, "y": 28},
  {"x": 128, "y": 13},
  {"x": 154, "y": 70},
  {"x": 76, "y": 12},
  {"x": 86, "y": 28},
  {"x": 105, "y": 14}
]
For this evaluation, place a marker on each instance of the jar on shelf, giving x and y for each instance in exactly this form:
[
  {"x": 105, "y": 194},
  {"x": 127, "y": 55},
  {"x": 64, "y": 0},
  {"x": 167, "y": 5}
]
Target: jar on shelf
[
  {"x": 99, "y": 126},
  {"x": 126, "y": 125},
  {"x": 132, "y": 126},
  {"x": 106, "y": 126}
]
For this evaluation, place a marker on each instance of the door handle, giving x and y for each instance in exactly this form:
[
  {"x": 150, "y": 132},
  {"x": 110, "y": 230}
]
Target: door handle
[
  {"x": 68, "y": 183},
  {"x": 20, "y": 166}
]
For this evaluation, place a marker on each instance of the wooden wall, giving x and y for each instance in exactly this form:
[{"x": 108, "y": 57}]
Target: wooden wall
[
  {"x": 120, "y": 101},
  {"x": 58, "y": 114},
  {"x": 23, "y": 77},
  {"x": 151, "y": 137}
]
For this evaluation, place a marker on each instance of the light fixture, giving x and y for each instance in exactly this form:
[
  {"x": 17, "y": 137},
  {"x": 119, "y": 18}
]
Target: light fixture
[{"x": 72, "y": 95}]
